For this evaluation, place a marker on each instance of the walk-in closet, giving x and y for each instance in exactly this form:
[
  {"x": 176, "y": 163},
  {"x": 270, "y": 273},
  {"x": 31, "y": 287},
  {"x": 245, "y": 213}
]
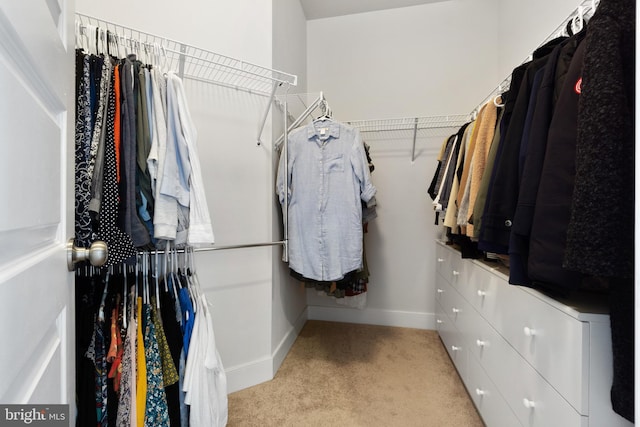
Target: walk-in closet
[{"x": 286, "y": 213}]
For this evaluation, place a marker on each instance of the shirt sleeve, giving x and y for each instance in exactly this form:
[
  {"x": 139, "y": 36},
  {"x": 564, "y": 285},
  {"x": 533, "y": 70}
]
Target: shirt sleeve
[
  {"x": 281, "y": 179},
  {"x": 361, "y": 168}
]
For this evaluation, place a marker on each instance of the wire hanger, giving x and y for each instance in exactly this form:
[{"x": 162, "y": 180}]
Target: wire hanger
[
  {"x": 125, "y": 294},
  {"x": 326, "y": 111},
  {"x": 101, "y": 317},
  {"x": 577, "y": 23},
  {"x": 156, "y": 276}
]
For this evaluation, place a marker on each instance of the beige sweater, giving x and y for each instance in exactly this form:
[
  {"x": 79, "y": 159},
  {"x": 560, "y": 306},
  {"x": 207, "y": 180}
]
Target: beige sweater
[{"x": 484, "y": 138}]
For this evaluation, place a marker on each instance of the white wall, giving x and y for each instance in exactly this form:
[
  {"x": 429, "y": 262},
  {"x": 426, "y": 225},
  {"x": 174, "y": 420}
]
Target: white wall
[
  {"x": 240, "y": 29},
  {"x": 288, "y": 298},
  {"x": 434, "y": 59},
  {"x": 524, "y": 25},
  {"x": 237, "y": 173}
]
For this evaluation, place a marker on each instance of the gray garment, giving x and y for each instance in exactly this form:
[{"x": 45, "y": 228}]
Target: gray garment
[
  {"x": 99, "y": 137},
  {"x": 451, "y": 141},
  {"x": 128, "y": 213},
  {"x": 447, "y": 183}
]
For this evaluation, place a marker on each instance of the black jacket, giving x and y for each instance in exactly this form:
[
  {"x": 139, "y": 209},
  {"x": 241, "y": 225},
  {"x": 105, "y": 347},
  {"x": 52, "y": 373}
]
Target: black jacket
[
  {"x": 550, "y": 87},
  {"x": 553, "y": 201},
  {"x": 503, "y": 196}
]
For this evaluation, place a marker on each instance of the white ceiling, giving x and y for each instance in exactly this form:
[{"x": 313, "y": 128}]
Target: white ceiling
[{"x": 316, "y": 9}]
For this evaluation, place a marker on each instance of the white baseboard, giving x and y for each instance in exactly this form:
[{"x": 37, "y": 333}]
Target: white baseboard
[
  {"x": 373, "y": 316},
  {"x": 285, "y": 345},
  {"x": 256, "y": 372},
  {"x": 250, "y": 374}
]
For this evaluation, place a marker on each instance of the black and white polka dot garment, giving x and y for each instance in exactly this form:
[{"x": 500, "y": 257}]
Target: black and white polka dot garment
[{"x": 119, "y": 243}]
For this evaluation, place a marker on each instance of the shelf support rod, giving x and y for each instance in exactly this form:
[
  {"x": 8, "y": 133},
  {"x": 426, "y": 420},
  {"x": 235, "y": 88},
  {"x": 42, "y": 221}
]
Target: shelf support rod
[
  {"x": 181, "y": 61},
  {"x": 415, "y": 135},
  {"x": 266, "y": 111},
  {"x": 285, "y": 207}
]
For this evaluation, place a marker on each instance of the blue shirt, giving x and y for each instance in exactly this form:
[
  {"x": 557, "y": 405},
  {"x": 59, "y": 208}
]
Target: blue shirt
[{"x": 328, "y": 177}]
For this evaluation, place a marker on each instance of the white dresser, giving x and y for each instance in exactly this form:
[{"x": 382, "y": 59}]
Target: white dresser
[{"x": 525, "y": 358}]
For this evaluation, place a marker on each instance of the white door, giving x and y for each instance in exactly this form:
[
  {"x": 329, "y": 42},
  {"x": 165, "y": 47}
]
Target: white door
[{"x": 36, "y": 199}]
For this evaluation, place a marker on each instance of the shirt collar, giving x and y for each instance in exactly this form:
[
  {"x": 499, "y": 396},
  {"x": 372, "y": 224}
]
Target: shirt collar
[{"x": 332, "y": 130}]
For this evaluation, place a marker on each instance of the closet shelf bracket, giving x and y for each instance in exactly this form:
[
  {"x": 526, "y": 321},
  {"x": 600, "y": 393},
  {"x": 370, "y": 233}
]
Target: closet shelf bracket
[
  {"x": 266, "y": 111},
  {"x": 415, "y": 135}
]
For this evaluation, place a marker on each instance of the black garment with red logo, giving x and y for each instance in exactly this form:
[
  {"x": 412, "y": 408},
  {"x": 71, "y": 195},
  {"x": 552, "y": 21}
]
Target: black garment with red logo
[
  {"x": 557, "y": 179},
  {"x": 554, "y": 76}
]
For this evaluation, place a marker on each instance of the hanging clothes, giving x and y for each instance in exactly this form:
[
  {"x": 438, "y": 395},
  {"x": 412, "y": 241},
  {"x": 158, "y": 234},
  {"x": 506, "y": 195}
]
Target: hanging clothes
[
  {"x": 127, "y": 415},
  {"x": 156, "y": 414},
  {"x": 328, "y": 177},
  {"x": 205, "y": 379},
  {"x": 503, "y": 196},
  {"x": 554, "y": 74},
  {"x": 119, "y": 243},
  {"x": 84, "y": 228},
  {"x": 134, "y": 128},
  {"x": 557, "y": 179}
]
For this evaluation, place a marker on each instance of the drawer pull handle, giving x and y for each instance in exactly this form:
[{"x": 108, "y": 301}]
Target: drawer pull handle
[
  {"x": 440, "y": 290},
  {"x": 455, "y": 310},
  {"x": 440, "y": 259},
  {"x": 529, "y": 404},
  {"x": 456, "y": 273},
  {"x": 480, "y": 392},
  {"x": 455, "y": 348},
  {"x": 482, "y": 293},
  {"x": 530, "y": 332},
  {"x": 481, "y": 343}
]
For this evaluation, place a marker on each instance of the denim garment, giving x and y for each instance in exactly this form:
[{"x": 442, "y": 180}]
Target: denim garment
[{"x": 328, "y": 178}]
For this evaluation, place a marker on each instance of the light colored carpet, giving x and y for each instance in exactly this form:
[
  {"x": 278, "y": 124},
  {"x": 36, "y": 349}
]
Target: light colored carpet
[{"x": 340, "y": 374}]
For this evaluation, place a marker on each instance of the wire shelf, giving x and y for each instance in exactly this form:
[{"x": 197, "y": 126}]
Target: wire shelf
[
  {"x": 409, "y": 128},
  {"x": 423, "y": 126},
  {"x": 188, "y": 61}
]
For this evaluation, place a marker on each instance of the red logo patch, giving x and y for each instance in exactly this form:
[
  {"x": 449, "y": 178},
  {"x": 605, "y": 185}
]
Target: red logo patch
[{"x": 578, "y": 86}]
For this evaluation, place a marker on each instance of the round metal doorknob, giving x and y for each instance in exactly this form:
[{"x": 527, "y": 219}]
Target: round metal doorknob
[{"x": 96, "y": 254}]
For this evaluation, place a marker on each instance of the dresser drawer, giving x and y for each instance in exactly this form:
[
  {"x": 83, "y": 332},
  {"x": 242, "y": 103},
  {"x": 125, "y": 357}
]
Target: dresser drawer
[
  {"x": 451, "y": 266},
  {"x": 443, "y": 259},
  {"x": 459, "y": 311},
  {"x": 489, "y": 294},
  {"x": 534, "y": 401},
  {"x": 491, "y": 405},
  {"x": 554, "y": 343},
  {"x": 452, "y": 341}
]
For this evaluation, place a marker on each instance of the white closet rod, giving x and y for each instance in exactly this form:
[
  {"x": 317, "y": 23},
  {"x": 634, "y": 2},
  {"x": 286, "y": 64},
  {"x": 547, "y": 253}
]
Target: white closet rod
[
  {"x": 215, "y": 248},
  {"x": 580, "y": 14}
]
